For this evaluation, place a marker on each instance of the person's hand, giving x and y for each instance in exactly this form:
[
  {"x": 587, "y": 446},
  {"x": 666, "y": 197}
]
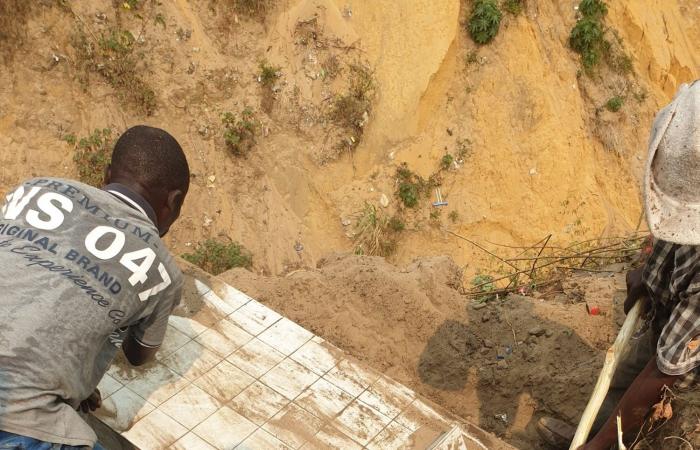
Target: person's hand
[
  {"x": 635, "y": 288},
  {"x": 91, "y": 403}
]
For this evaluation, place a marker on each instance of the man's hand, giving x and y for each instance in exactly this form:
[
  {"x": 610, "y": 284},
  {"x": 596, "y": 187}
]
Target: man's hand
[
  {"x": 636, "y": 289},
  {"x": 91, "y": 403}
]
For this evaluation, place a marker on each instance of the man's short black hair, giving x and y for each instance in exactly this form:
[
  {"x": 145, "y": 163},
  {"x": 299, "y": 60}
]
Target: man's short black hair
[{"x": 152, "y": 157}]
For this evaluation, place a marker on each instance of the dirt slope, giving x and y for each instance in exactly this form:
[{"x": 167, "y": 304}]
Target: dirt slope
[{"x": 544, "y": 157}]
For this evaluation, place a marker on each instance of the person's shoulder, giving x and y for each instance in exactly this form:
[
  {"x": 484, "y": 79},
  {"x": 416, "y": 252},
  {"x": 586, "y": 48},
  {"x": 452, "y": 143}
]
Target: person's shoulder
[
  {"x": 62, "y": 185},
  {"x": 170, "y": 263}
]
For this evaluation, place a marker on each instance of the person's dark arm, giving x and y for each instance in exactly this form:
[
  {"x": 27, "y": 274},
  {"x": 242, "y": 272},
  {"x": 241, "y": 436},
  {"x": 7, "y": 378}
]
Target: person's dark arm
[
  {"x": 146, "y": 336},
  {"x": 136, "y": 353},
  {"x": 642, "y": 394}
]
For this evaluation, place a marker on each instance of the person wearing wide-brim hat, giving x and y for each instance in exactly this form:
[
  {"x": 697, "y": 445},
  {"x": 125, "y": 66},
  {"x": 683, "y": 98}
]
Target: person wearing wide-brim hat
[{"x": 666, "y": 351}]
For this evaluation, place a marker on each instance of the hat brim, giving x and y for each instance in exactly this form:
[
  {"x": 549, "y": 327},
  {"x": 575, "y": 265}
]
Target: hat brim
[{"x": 668, "y": 219}]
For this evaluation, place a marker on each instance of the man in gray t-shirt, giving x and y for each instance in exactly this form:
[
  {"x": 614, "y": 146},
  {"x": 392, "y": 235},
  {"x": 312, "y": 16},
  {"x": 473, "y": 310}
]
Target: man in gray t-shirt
[{"x": 82, "y": 272}]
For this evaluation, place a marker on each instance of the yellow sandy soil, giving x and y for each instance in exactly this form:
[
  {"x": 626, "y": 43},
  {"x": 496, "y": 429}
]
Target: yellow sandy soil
[{"x": 537, "y": 166}]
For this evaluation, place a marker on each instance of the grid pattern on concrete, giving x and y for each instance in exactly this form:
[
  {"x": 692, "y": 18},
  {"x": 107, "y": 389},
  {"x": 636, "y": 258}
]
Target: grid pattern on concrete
[{"x": 232, "y": 373}]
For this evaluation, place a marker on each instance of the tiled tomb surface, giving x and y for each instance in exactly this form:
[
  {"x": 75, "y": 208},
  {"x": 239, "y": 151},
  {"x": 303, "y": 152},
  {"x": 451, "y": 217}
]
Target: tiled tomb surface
[{"x": 232, "y": 373}]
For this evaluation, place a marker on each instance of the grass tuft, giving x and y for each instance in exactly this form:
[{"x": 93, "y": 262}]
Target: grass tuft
[
  {"x": 217, "y": 257},
  {"x": 113, "y": 56},
  {"x": 514, "y": 7},
  {"x": 351, "y": 110},
  {"x": 268, "y": 73},
  {"x": 375, "y": 234},
  {"x": 615, "y": 103},
  {"x": 92, "y": 155},
  {"x": 240, "y": 132},
  {"x": 446, "y": 161},
  {"x": 587, "y": 39}
]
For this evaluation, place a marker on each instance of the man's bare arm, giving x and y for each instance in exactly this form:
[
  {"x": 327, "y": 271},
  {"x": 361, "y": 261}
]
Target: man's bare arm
[{"x": 642, "y": 394}]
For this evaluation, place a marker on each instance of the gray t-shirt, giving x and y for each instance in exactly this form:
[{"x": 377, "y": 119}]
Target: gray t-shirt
[{"x": 79, "y": 268}]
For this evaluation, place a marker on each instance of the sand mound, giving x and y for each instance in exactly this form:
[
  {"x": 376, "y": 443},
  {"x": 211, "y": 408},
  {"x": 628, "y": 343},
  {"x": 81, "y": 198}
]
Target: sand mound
[{"x": 502, "y": 366}]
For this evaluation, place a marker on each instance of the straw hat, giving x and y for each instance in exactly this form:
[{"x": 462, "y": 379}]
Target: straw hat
[{"x": 672, "y": 178}]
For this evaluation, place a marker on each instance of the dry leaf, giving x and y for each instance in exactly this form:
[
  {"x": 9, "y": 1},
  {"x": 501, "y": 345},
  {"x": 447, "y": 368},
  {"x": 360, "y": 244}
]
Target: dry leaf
[
  {"x": 668, "y": 411},
  {"x": 661, "y": 411},
  {"x": 693, "y": 345}
]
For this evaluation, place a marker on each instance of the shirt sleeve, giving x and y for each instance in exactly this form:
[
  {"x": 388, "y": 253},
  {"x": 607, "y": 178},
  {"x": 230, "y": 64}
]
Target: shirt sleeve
[
  {"x": 678, "y": 350},
  {"x": 150, "y": 330}
]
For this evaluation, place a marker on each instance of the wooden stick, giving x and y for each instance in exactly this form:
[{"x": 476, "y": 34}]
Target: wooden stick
[
  {"x": 483, "y": 249},
  {"x": 620, "y": 444},
  {"x": 534, "y": 263},
  {"x": 583, "y": 269},
  {"x": 612, "y": 358}
]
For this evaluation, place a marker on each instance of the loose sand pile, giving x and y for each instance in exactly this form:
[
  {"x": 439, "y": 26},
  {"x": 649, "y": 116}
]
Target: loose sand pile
[{"x": 501, "y": 366}]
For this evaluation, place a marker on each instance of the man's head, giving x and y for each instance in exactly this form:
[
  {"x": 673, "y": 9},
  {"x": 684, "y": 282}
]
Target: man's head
[
  {"x": 672, "y": 182},
  {"x": 151, "y": 162}
]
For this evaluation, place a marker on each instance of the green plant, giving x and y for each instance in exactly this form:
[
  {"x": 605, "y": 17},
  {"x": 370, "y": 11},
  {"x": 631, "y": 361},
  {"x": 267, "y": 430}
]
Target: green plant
[
  {"x": 239, "y": 133},
  {"x": 595, "y": 9},
  {"x": 435, "y": 214},
  {"x": 113, "y": 56},
  {"x": 472, "y": 57},
  {"x": 615, "y": 103},
  {"x": 351, "y": 110},
  {"x": 587, "y": 39},
  {"x": 411, "y": 185},
  {"x": 446, "y": 161},
  {"x": 217, "y": 257},
  {"x": 485, "y": 21},
  {"x": 70, "y": 138},
  {"x": 118, "y": 41},
  {"x": 375, "y": 234},
  {"x": 403, "y": 173},
  {"x": 453, "y": 216},
  {"x": 92, "y": 155},
  {"x": 514, "y": 7},
  {"x": 484, "y": 284},
  {"x": 408, "y": 193},
  {"x": 268, "y": 74}
]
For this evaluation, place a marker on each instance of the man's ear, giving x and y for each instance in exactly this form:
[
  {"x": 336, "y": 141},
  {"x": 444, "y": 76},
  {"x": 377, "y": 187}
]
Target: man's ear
[
  {"x": 175, "y": 200},
  {"x": 108, "y": 174}
]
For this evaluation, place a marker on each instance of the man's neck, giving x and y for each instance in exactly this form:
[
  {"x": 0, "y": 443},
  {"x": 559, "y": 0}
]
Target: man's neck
[{"x": 133, "y": 195}]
